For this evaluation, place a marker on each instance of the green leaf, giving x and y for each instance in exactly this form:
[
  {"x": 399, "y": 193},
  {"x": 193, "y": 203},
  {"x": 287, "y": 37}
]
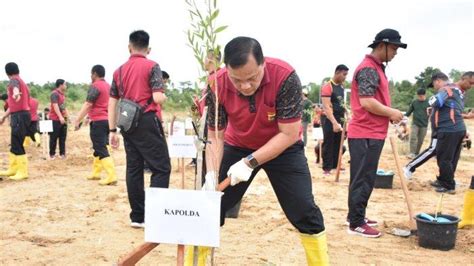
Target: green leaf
[
  {"x": 215, "y": 14},
  {"x": 221, "y": 28}
]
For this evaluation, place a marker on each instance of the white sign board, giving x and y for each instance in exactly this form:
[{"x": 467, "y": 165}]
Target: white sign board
[
  {"x": 188, "y": 123},
  {"x": 183, "y": 217},
  {"x": 318, "y": 133},
  {"x": 182, "y": 147},
  {"x": 46, "y": 126},
  {"x": 178, "y": 128}
]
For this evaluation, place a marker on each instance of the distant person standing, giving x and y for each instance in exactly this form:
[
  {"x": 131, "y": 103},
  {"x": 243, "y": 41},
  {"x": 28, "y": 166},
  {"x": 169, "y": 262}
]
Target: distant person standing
[
  {"x": 332, "y": 96},
  {"x": 419, "y": 124},
  {"x": 371, "y": 115},
  {"x": 59, "y": 115},
  {"x": 306, "y": 116},
  {"x": 96, "y": 107},
  {"x": 19, "y": 110},
  {"x": 33, "y": 131},
  {"x": 139, "y": 80}
]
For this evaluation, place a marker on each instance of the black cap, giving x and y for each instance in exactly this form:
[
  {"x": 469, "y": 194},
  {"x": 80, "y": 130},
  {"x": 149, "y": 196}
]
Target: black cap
[
  {"x": 388, "y": 36},
  {"x": 436, "y": 76}
]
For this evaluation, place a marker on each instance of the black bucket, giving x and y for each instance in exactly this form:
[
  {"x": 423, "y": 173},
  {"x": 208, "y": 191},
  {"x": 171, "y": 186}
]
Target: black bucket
[
  {"x": 383, "y": 181},
  {"x": 433, "y": 235}
]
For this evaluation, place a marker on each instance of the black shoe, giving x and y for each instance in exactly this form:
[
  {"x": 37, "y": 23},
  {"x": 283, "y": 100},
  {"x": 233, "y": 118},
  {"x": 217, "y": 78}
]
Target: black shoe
[
  {"x": 436, "y": 184},
  {"x": 445, "y": 190}
]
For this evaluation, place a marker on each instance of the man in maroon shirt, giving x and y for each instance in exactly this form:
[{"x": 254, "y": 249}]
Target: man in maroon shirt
[
  {"x": 140, "y": 80},
  {"x": 19, "y": 110},
  {"x": 96, "y": 107},
  {"x": 33, "y": 132},
  {"x": 59, "y": 115},
  {"x": 258, "y": 127},
  {"x": 371, "y": 114}
]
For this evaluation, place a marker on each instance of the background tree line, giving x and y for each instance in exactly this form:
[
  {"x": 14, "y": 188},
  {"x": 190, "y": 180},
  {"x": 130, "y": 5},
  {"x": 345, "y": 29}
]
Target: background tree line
[{"x": 180, "y": 94}]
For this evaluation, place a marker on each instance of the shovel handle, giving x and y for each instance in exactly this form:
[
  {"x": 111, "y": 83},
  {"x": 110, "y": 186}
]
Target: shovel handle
[{"x": 403, "y": 182}]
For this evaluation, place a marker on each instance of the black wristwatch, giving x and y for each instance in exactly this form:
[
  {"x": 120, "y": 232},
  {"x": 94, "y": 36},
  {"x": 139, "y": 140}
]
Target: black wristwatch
[
  {"x": 113, "y": 130},
  {"x": 252, "y": 161}
]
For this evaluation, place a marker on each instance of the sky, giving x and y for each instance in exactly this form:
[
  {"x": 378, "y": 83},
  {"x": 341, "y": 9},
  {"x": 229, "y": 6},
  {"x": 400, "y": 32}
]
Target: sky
[{"x": 52, "y": 39}]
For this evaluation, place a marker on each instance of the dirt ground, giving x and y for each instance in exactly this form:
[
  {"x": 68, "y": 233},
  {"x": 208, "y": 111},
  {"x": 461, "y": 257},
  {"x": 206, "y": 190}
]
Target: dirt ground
[{"x": 57, "y": 217}]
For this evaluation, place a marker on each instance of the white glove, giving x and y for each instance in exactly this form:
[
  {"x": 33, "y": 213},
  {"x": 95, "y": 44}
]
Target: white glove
[
  {"x": 239, "y": 172},
  {"x": 210, "y": 181}
]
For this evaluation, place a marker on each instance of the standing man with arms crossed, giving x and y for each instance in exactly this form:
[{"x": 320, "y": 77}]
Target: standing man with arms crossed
[
  {"x": 419, "y": 124},
  {"x": 260, "y": 106},
  {"x": 19, "y": 109},
  {"x": 332, "y": 95},
  {"x": 96, "y": 108},
  {"x": 371, "y": 115},
  {"x": 140, "y": 80},
  {"x": 59, "y": 115}
]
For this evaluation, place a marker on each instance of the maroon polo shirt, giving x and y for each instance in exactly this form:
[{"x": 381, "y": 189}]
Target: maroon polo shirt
[
  {"x": 23, "y": 103},
  {"x": 370, "y": 82},
  {"x": 251, "y": 121},
  {"x": 136, "y": 80},
  {"x": 98, "y": 96},
  {"x": 33, "y": 109},
  {"x": 57, "y": 96}
]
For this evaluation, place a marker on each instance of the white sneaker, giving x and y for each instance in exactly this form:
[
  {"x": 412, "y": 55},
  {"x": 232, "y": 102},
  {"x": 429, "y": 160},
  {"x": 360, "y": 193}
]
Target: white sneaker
[
  {"x": 137, "y": 225},
  {"x": 407, "y": 172}
]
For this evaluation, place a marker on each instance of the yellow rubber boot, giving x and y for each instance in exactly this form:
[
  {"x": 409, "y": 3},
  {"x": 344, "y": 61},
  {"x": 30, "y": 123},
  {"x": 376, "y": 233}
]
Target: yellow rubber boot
[
  {"x": 12, "y": 166},
  {"x": 108, "y": 165},
  {"x": 316, "y": 249},
  {"x": 467, "y": 214},
  {"x": 203, "y": 252},
  {"x": 37, "y": 139},
  {"x": 96, "y": 169},
  {"x": 26, "y": 142},
  {"x": 22, "y": 172}
]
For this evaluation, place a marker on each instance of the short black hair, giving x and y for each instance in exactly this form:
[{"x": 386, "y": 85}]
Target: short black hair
[
  {"x": 46, "y": 109},
  {"x": 341, "y": 67},
  {"x": 421, "y": 91},
  {"x": 139, "y": 39},
  {"x": 99, "y": 70},
  {"x": 4, "y": 97},
  {"x": 12, "y": 69},
  {"x": 165, "y": 74},
  {"x": 237, "y": 51},
  {"x": 467, "y": 74},
  {"x": 59, "y": 82}
]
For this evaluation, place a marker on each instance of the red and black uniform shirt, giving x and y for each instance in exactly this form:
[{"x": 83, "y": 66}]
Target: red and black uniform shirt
[
  {"x": 58, "y": 97},
  {"x": 23, "y": 103},
  {"x": 137, "y": 80},
  {"x": 369, "y": 81},
  {"x": 251, "y": 121},
  {"x": 98, "y": 96},
  {"x": 33, "y": 109},
  {"x": 336, "y": 93}
]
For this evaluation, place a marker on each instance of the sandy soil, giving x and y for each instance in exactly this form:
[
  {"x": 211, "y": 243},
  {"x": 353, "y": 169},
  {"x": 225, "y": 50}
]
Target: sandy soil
[{"x": 57, "y": 217}]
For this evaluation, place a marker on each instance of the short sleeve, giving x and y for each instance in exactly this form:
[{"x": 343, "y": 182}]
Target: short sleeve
[
  {"x": 326, "y": 90},
  {"x": 14, "y": 83},
  {"x": 368, "y": 81},
  {"x": 156, "y": 79},
  {"x": 114, "y": 93},
  {"x": 92, "y": 95},
  {"x": 54, "y": 97},
  {"x": 211, "y": 111},
  {"x": 289, "y": 102}
]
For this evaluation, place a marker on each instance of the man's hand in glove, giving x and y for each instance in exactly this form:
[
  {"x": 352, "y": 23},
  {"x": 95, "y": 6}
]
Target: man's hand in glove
[{"x": 239, "y": 172}]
